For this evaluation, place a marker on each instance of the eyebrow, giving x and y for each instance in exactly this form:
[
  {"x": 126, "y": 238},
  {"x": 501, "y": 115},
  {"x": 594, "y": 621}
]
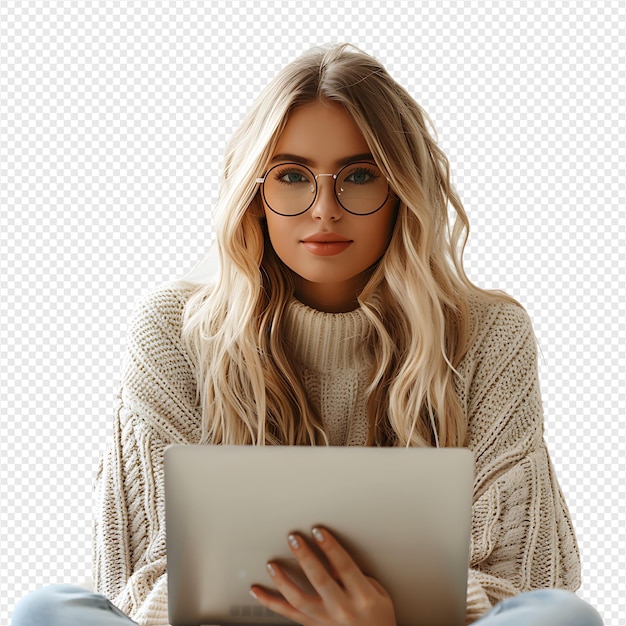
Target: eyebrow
[{"x": 294, "y": 158}]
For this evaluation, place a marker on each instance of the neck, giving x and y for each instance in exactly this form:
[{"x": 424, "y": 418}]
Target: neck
[{"x": 329, "y": 298}]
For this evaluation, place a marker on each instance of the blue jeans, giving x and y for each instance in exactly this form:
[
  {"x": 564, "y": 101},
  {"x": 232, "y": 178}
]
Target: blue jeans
[{"x": 67, "y": 605}]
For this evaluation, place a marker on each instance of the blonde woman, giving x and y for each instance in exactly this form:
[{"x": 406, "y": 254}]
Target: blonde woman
[{"x": 339, "y": 314}]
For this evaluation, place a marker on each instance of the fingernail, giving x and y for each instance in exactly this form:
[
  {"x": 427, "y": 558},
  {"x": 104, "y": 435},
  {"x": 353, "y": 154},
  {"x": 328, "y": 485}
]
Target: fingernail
[
  {"x": 271, "y": 570},
  {"x": 253, "y": 594},
  {"x": 317, "y": 534},
  {"x": 293, "y": 540}
]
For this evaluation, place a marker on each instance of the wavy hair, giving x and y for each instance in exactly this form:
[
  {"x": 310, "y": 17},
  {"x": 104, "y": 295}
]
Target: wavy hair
[{"x": 418, "y": 299}]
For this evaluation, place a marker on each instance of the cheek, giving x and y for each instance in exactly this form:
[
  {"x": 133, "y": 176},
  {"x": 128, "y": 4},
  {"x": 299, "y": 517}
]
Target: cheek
[
  {"x": 276, "y": 228},
  {"x": 280, "y": 235},
  {"x": 382, "y": 229}
]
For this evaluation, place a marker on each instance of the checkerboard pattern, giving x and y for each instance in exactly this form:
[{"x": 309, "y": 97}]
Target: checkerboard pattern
[{"x": 113, "y": 121}]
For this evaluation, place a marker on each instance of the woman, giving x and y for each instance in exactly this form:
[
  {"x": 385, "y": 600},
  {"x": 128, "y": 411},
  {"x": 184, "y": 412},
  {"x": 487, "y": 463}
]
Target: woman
[{"x": 341, "y": 299}]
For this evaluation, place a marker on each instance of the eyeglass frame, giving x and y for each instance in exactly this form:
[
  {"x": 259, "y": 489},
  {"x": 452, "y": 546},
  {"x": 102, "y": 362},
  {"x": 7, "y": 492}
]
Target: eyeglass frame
[{"x": 261, "y": 181}]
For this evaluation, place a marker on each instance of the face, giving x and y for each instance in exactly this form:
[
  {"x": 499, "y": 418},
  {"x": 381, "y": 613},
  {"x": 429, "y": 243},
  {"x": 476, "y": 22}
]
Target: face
[{"x": 331, "y": 252}]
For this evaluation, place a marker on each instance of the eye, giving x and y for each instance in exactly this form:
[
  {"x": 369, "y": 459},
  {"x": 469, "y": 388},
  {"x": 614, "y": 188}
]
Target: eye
[
  {"x": 361, "y": 176},
  {"x": 289, "y": 176}
]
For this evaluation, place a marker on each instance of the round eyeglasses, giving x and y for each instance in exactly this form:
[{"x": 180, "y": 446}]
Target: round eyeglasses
[{"x": 291, "y": 189}]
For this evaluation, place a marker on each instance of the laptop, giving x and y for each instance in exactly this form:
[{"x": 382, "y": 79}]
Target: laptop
[{"x": 404, "y": 514}]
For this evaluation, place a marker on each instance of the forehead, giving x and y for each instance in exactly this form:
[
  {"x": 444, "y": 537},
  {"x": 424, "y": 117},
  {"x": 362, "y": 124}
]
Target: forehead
[{"x": 322, "y": 132}]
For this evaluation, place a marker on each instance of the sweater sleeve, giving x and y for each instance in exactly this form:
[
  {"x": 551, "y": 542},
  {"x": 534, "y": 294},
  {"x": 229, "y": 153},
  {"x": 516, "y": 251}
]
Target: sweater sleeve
[
  {"x": 156, "y": 406},
  {"x": 522, "y": 534}
]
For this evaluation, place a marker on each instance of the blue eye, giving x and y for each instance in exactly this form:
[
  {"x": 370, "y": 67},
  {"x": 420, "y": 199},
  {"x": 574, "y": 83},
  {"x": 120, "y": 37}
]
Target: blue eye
[
  {"x": 361, "y": 176},
  {"x": 291, "y": 177},
  {"x": 294, "y": 177}
]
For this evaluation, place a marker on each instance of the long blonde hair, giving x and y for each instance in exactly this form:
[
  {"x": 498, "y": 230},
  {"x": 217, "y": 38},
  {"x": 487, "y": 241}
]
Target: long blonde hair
[{"x": 417, "y": 300}]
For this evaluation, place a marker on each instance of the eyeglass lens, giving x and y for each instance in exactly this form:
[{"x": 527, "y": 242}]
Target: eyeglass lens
[{"x": 291, "y": 188}]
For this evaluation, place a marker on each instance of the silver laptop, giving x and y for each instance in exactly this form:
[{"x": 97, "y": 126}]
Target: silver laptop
[{"x": 403, "y": 513}]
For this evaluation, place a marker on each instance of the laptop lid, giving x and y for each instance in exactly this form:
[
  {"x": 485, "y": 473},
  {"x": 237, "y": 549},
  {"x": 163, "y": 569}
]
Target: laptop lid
[{"x": 404, "y": 514}]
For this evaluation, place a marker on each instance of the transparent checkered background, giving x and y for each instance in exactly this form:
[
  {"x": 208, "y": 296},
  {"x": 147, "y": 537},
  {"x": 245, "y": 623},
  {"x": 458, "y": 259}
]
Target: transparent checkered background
[{"x": 113, "y": 121}]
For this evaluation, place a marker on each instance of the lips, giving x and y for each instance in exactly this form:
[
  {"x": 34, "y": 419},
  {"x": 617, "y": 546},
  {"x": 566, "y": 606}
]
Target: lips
[
  {"x": 326, "y": 238},
  {"x": 326, "y": 244}
]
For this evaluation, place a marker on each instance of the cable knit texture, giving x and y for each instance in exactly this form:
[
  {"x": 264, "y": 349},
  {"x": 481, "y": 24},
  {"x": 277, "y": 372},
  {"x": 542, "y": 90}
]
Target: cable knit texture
[{"x": 522, "y": 535}]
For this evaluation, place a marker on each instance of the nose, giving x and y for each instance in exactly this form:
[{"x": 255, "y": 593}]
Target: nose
[{"x": 326, "y": 205}]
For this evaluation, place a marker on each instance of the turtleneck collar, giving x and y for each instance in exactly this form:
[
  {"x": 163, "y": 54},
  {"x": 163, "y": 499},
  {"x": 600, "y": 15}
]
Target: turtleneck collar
[{"x": 327, "y": 341}]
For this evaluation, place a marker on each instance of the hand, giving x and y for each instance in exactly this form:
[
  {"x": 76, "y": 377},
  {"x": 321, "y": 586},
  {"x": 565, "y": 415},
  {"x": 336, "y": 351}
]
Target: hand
[{"x": 345, "y": 596}]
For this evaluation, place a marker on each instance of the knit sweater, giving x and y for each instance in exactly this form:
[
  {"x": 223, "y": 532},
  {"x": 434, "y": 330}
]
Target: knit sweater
[{"x": 522, "y": 536}]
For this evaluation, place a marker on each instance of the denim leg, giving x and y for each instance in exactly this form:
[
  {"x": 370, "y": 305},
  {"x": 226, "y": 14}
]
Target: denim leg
[
  {"x": 545, "y": 607},
  {"x": 67, "y": 605}
]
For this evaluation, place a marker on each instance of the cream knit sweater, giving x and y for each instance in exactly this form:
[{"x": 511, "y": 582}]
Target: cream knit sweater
[{"x": 522, "y": 536}]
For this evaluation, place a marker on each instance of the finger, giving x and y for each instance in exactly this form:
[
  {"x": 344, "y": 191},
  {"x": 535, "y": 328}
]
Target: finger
[
  {"x": 276, "y": 603},
  {"x": 324, "y": 583},
  {"x": 292, "y": 594},
  {"x": 343, "y": 566},
  {"x": 377, "y": 586}
]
